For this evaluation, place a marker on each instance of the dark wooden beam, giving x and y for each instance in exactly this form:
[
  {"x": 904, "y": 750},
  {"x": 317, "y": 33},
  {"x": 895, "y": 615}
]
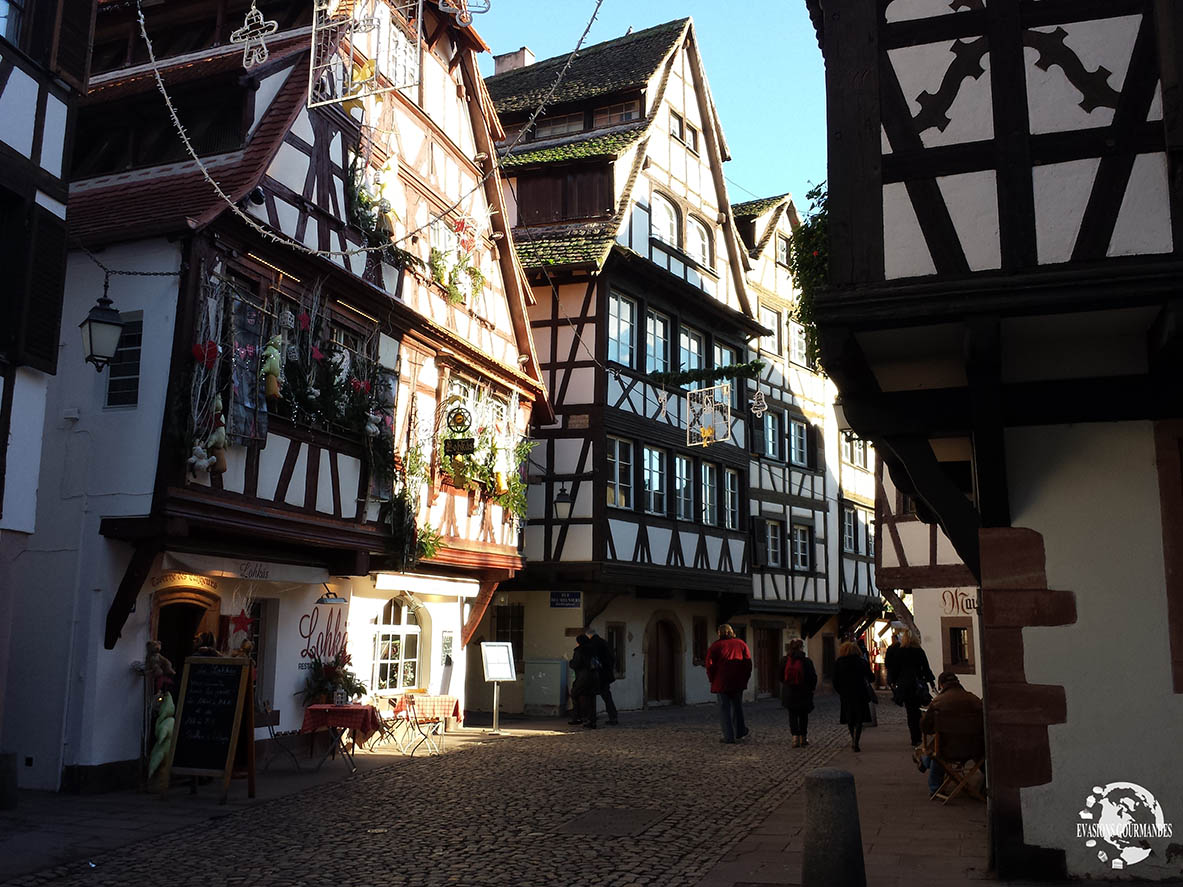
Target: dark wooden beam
[
  {"x": 142, "y": 558},
  {"x": 479, "y": 605},
  {"x": 983, "y": 371},
  {"x": 1168, "y": 20},
  {"x": 1164, "y": 342}
]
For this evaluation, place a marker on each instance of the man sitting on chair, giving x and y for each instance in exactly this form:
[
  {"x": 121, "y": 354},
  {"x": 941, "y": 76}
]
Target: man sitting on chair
[{"x": 953, "y": 700}]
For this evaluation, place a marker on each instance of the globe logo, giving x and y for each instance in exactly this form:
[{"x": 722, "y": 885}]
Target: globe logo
[{"x": 1123, "y": 821}]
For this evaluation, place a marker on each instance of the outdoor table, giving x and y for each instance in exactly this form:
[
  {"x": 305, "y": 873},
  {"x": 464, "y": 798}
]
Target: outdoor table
[
  {"x": 363, "y": 720},
  {"x": 420, "y": 710}
]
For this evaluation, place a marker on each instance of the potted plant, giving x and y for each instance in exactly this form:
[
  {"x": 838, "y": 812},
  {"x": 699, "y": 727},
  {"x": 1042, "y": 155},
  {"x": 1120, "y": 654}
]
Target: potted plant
[{"x": 327, "y": 677}]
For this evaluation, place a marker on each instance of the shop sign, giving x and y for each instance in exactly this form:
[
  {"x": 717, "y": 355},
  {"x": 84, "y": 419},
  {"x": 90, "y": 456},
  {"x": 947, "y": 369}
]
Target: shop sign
[
  {"x": 958, "y": 603},
  {"x": 564, "y": 600},
  {"x": 457, "y": 446},
  {"x": 170, "y": 579},
  {"x": 322, "y": 643}
]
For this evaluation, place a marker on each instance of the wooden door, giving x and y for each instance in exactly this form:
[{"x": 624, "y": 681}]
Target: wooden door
[
  {"x": 661, "y": 664},
  {"x": 767, "y": 641}
]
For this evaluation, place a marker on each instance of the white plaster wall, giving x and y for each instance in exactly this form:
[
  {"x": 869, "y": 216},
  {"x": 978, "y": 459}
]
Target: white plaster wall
[
  {"x": 101, "y": 464},
  {"x": 24, "y": 450},
  {"x": 1092, "y": 491},
  {"x": 18, "y": 108},
  {"x": 928, "y": 606}
]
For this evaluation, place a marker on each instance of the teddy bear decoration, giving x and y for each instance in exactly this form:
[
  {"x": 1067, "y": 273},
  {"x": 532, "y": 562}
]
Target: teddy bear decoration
[
  {"x": 199, "y": 460},
  {"x": 272, "y": 366},
  {"x": 157, "y": 668},
  {"x": 216, "y": 443}
]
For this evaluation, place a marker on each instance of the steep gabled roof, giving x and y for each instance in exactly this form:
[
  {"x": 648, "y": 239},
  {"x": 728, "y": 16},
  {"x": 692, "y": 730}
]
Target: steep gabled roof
[
  {"x": 609, "y": 67},
  {"x": 175, "y": 196},
  {"x": 753, "y": 208},
  {"x": 582, "y": 146},
  {"x": 585, "y": 243}
]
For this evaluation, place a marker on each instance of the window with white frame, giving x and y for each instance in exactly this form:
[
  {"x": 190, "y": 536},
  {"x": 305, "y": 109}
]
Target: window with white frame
[
  {"x": 691, "y": 137},
  {"x": 620, "y": 473},
  {"x": 622, "y": 328},
  {"x": 123, "y": 372},
  {"x": 870, "y": 537},
  {"x": 683, "y": 488},
  {"x": 622, "y": 112},
  {"x": 770, "y": 318},
  {"x": 691, "y": 350},
  {"x": 849, "y": 530},
  {"x": 657, "y": 342},
  {"x": 665, "y": 220},
  {"x": 802, "y": 542},
  {"x": 847, "y": 448},
  {"x": 799, "y": 442},
  {"x": 731, "y": 494},
  {"x": 859, "y": 453},
  {"x": 726, "y": 356},
  {"x": 677, "y": 126},
  {"x": 653, "y": 462},
  {"x": 710, "y": 494},
  {"x": 558, "y": 126},
  {"x": 798, "y": 344},
  {"x": 773, "y": 434},
  {"x": 782, "y": 249},
  {"x": 772, "y": 543},
  {"x": 396, "y": 649},
  {"x": 698, "y": 244}
]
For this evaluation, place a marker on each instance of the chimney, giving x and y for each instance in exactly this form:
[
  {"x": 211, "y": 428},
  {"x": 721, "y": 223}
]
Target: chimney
[{"x": 511, "y": 61}]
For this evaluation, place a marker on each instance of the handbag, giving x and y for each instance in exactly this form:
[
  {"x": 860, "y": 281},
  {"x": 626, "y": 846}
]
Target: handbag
[
  {"x": 872, "y": 696},
  {"x": 923, "y": 697}
]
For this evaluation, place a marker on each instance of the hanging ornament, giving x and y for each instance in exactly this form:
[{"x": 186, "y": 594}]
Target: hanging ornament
[
  {"x": 758, "y": 406},
  {"x": 663, "y": 398},
  {"x": 287, "y": 320},
  {"x": 251, "y": 35},
  {"x": 463, "y": 9}
]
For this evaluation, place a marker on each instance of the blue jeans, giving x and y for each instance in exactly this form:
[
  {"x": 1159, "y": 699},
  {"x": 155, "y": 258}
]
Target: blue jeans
[
  {"x": 936, "y": 773},
  {"x": 731, "y": 715}
]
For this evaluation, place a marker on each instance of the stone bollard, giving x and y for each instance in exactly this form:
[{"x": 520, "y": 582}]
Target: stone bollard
[
  {"x": 833, "y": 844},
  {"x": 8, "y": 781}
]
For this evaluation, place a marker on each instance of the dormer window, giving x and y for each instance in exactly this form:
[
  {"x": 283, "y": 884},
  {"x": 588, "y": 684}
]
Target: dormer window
[
  {"x": 613, "y": 115},
  {"x": 677, "y": 126},
  {"x": 665, "y": 220},
  {"x": 562, "y": 125},
  {"x": 698, "y": 244}
]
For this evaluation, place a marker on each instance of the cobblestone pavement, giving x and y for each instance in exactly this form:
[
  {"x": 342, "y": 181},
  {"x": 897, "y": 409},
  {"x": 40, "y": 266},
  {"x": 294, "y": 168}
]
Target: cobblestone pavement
[{"x": 655, "y": 801}]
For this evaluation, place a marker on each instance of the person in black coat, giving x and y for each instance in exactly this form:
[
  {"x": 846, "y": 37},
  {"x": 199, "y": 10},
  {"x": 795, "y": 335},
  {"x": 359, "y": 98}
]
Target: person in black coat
[
  {"x": 601, "y": 650},
  {"x": 852, "y": 683},
  {"x": 913, "y": 677},
  {"x": 799, "y": 679},
  {"x": 587, "y": 682}
]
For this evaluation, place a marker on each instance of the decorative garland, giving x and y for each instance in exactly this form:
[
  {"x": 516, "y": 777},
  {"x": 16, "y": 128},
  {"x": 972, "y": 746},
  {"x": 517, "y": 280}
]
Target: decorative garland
[
  {"x": 809, "y": 263},
  {"x": 749, "y": 370}
]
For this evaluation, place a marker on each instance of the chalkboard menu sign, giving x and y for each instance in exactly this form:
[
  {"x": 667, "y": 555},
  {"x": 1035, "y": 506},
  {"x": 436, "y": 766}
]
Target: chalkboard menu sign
[{"x": 210, "y": 714}]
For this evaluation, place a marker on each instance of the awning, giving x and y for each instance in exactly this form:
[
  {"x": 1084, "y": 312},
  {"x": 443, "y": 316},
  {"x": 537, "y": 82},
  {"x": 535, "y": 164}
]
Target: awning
[
  {"x": 240, "y": 568},
  {"x": 419, "y": 584}
]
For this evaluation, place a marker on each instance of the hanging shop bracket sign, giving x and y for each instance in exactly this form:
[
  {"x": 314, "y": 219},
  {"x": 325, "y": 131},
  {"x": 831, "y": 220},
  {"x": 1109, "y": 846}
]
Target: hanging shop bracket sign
[{"x": 458, "y": 446}]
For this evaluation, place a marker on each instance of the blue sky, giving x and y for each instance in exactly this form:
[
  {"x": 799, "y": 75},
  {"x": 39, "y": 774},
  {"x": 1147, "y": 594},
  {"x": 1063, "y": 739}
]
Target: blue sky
[{"x": 761, "y": 59}]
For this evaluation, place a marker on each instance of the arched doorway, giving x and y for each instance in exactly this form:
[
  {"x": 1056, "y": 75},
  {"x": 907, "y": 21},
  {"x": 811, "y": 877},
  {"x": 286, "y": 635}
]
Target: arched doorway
[
  {"x": 178, "y": 615},
  {"x": 663, "y": 662}
]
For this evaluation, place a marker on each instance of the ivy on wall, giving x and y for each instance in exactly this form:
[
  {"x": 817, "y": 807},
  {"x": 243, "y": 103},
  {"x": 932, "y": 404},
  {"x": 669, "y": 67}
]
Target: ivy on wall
[{"x": 809, "y": 263}]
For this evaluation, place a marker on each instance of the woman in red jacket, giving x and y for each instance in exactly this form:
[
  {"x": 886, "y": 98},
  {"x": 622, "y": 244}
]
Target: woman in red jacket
[{"x": 729, "y": 666}]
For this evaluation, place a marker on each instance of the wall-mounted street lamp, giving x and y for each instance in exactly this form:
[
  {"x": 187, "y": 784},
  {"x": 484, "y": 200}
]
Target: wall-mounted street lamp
[
  {"x": 101, "y": 331},
  {"x": 330, "y": 596},
  {"x": 563, "y": 503}
]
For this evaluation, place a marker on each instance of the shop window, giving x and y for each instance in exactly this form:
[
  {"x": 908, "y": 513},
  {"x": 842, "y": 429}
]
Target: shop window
[
  {"x": 396, "y": 649},
  {"x": 509, "y": 620}
]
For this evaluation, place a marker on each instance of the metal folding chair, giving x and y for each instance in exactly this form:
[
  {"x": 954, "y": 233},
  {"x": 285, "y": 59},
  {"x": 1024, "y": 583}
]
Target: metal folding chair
[{"x": 429, "y": 730}]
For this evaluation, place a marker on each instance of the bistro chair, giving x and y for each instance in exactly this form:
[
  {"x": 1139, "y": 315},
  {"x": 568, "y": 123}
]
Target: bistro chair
[
  {"x": 959, "y": 746},
  {"x": 428, "y": 730}
]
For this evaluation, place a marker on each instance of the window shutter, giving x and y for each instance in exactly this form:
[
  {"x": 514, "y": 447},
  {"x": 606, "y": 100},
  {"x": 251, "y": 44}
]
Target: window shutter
[
  {"x": 756, "y": 438},
  {"x": 813, "y": 446},
  {"x": 72, "y": 41},
  {"x": 37, "y": 305},
  {"x": 759, "y": 542}
]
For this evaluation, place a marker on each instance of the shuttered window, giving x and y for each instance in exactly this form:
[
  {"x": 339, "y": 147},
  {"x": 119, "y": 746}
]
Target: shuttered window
[
  {"x": 802, "y": 541},
  {"x": 556, "y": 197},
  {"x": 123, "y": 374},
  {"x": 33, "y": 255}
]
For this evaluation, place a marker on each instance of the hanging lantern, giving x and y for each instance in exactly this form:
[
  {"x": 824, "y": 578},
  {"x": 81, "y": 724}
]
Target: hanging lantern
[{"x": 101, "y": 331}]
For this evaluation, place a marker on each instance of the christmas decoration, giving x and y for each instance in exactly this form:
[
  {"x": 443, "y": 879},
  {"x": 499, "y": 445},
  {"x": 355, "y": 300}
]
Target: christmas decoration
[
  {"x": 758, "y": 406},
  {"x": 464, "y": 9},
  {"x": 708, "y": 415},
  {"x": 362, "y": 48},
  {"x": 252, "y": 36},
  {"x": 241, "y": 622},
  {"x": 271, "y": 366}
]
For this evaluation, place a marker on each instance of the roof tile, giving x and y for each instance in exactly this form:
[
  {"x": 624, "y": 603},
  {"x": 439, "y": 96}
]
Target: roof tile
[
  {"x": 574, "y": 244},
  {"x": 582, "y": 147}
]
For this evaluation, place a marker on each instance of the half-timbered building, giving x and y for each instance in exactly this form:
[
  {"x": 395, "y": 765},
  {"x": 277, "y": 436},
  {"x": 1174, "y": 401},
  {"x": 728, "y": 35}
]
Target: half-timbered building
[
  {"x": 265, "y": 459},
  {"x": 1006, "y": 202},
  {"x": 811, "y": 507},
  {"x": 622, "y": 221},
  {"x": 44, "y": 55}
]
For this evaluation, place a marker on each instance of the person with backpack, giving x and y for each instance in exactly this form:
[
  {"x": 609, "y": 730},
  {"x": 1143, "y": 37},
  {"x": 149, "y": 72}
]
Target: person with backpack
[
  {"x": 799, "y": 680},
  {"x": 586, "y": 667},
  {"x": 603, "y": 653},
  {"x": 729, "y": 667}
]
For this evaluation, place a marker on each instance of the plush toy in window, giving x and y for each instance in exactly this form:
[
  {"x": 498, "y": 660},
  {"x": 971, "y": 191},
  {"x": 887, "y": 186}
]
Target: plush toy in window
[
  {"x": 157, "y": 668},
  {"x": 216, "y": 444},
  {"x": 199, "y": 460},
  {"x": 373, "y": 425},
  {"x": 271, "y": 366}
]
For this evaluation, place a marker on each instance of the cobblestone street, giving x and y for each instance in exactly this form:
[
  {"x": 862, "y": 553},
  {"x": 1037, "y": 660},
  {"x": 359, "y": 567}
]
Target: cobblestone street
[{"x": 657, "y": 800}]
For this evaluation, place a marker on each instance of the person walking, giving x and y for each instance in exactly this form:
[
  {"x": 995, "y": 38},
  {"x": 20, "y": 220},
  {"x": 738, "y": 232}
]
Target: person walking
[
  {"x": 601, "y": 650},
  {"x": 913, "y": 677},
  {"x": 796, "y": 692},
  {"x": 587, "y": 682},
  {"x": 889, "y": 659},
  {"x": 852, "y": 683},
  {"x": 729, "y": 667}
]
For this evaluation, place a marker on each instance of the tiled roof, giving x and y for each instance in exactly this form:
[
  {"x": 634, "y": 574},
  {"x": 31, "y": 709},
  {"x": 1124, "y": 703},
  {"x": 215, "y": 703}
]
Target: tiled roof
[
  {"x": 752, "y": 208},
  {"x": 612, "y": 66},
  {"x": 581, "y": 147},
  {"x": 176, "y": 197},
  {"x": 575, "y": 244}
]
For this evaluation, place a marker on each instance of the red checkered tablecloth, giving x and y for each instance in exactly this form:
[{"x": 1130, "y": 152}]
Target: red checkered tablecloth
[
  {"x": 361, "y": 719},
  {"x": 432, "y": 708}
]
